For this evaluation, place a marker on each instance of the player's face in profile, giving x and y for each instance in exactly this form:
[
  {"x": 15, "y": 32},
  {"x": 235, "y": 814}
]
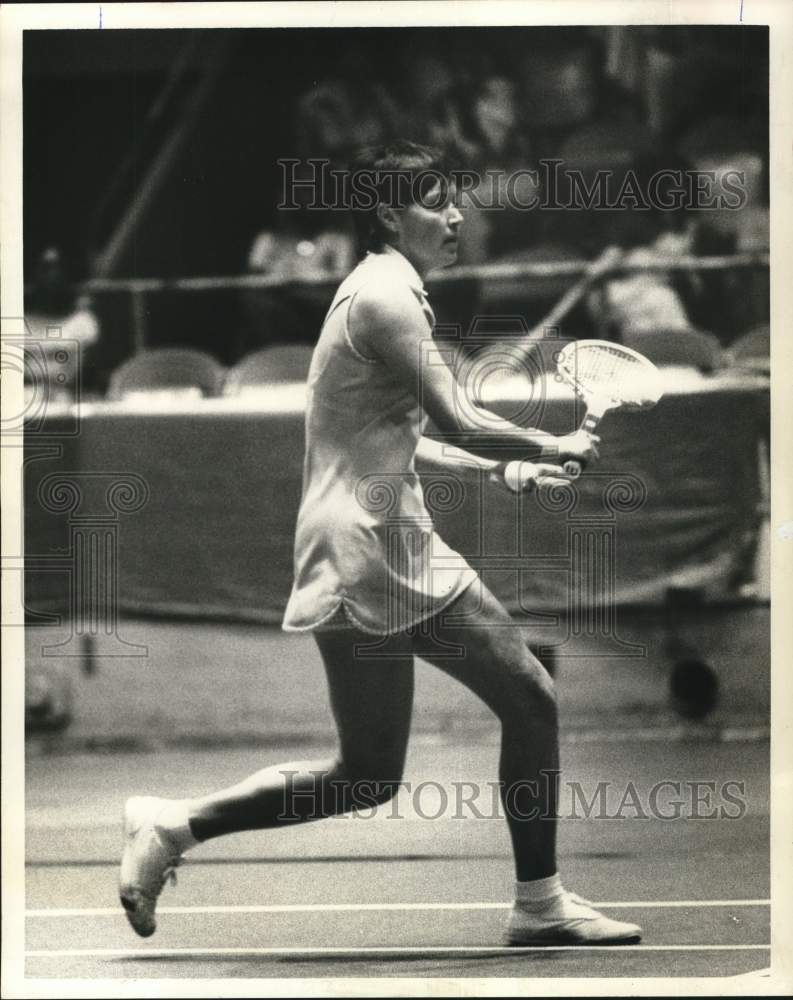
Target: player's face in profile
[{"x": 429, "y": 228}]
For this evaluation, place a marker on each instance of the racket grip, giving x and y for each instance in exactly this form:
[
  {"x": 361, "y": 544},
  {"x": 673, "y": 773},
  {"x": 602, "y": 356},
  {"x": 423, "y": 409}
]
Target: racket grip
[{"x": 573, "y": 467}]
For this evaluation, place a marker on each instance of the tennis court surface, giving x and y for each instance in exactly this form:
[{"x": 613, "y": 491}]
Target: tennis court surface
[{"x": 421, "y": 888}]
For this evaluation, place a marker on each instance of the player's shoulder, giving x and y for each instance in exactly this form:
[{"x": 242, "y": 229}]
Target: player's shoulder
[
  {"x": 387, "y": 291},
  {"x": 387, "y": 303}
]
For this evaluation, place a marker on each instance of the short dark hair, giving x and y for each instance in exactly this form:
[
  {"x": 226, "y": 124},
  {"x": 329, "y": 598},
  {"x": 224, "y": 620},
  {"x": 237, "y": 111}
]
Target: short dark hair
[{"x": 417, "y": 169}]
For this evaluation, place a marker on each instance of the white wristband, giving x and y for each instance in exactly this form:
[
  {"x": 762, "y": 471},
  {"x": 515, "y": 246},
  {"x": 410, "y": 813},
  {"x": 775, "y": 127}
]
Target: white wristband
[{"x": 520, "y": 476}]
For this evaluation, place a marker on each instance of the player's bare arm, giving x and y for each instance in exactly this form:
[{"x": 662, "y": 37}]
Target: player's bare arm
[{"x": 392, "y": 327}]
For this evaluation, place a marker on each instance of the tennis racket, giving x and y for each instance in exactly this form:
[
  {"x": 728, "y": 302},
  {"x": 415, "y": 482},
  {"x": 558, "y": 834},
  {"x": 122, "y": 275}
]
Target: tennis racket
[
  {"x": 607, "y": 376},
  {"x": 594, "y": 271}
]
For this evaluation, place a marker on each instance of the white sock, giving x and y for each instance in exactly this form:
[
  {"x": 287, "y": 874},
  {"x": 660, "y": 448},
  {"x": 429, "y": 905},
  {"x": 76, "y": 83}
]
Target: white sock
[
  {"x": 538, "y": 893},
  {"x": 174, "y": 820}
]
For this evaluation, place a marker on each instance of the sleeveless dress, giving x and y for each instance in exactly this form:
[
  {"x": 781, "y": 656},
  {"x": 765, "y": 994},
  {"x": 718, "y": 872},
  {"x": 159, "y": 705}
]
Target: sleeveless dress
[{"x": 366, "y": 551}]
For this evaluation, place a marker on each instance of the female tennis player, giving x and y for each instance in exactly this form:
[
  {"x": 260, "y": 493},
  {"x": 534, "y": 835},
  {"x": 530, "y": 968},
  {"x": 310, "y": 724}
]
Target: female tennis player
[{"x": 376, "y": 585}]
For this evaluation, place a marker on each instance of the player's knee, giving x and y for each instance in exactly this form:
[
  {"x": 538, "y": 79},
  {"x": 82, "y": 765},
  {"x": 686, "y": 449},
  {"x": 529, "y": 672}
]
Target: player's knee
[
  {"x": 367, "y": 792},
  {"x": 533, "y": 696},
  {"x": 376, "y": 792},
  {"x": 370, "y": 783}
]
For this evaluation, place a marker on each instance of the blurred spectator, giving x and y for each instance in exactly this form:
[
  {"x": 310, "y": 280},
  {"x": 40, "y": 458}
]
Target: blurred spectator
[
  {"x": 692, "y": 73},
  {"x": 645, "y": 311},
  {"x": 644, "y": 301},
  {"x": 728, "y": 301},
  {"x": 723, "y": 146},
  {"x": 491, "y": 140},
  {"x": 325, "y": 121},
  {"x": 305, "y": 245},
  {"x": 733, "y": 301},
  {"x": 377, "y": 113},
  {"x": 493, "y": 122},
  {"x": 559, "y": 79},
  {"x": 293, "y": 256},
  {"x": 426, "y": 114},
  {"x": 337, "y": 117},
  {"x": 55, "y": 318}
]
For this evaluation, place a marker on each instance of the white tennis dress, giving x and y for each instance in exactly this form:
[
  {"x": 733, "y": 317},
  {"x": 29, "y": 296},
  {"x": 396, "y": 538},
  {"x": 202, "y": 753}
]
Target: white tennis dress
[{"x": 365, "y": 547}]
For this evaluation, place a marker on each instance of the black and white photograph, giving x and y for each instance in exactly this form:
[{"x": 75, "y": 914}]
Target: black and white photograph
[{"x": 396, "y": 499}]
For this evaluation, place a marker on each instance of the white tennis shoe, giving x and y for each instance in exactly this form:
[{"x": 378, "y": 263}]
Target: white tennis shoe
[
  {"x": 567, "y": 920},
  {"x": 149, "y": 860}
]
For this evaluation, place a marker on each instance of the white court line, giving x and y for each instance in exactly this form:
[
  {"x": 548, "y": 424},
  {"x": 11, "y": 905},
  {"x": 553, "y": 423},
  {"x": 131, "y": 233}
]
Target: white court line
[
  {"x": 757, "y": 974},
  {"x": 402, "y": 950},
  {"x": 655, "y": 904}
]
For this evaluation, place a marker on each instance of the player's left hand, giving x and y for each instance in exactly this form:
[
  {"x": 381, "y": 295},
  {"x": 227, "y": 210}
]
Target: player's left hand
[{"x": 581, "y": 446}]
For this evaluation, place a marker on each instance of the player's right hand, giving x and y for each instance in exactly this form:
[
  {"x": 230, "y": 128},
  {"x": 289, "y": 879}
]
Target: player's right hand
[{"x": 580, "y": 446}]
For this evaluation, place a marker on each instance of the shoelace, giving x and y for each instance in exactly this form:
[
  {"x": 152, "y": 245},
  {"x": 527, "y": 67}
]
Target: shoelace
[{"x": 168, "y": 875}]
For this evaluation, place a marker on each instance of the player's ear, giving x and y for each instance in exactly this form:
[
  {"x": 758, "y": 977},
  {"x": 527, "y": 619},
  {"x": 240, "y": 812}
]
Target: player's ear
[{"x": 388, "y": 218}]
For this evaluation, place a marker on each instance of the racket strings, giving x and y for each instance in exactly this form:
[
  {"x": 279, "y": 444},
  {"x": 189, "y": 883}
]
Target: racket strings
[{"x": 608, "y": 371}]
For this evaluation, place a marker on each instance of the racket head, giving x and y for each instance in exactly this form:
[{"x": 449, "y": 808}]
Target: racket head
[{"x": 609, "y": 375}]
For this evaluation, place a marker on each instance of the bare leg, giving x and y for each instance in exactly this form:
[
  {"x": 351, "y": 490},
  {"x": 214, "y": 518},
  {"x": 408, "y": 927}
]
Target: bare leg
[
  {"x": 499, "y": 669},
  {"x": 372, "y": 701}
]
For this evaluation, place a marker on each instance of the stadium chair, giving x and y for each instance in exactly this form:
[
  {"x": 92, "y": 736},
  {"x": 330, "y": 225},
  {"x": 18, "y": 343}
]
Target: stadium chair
[
  {"x": 752, "y": 350},
  {"x": 162, "y": 368},
  {"x": 279, "y": 363},
  {"x": 689, "y": 348}
]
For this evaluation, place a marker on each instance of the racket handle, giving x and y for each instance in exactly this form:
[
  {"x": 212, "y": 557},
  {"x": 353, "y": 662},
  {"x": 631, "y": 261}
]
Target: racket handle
[{"x": 573, "y": 467}]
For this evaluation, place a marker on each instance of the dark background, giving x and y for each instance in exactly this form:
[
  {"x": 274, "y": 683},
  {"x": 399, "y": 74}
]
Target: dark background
[{"x": 99, "y": 105}]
